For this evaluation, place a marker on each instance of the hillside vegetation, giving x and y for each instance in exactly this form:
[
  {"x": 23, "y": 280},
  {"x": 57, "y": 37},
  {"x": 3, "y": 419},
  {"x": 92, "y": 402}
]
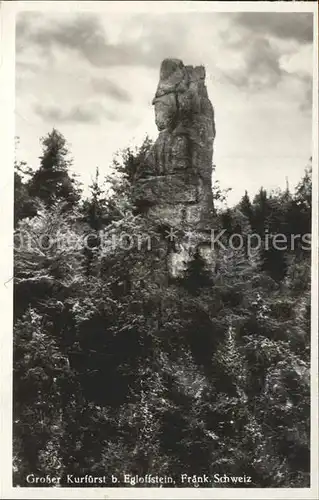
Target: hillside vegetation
[{"x": 113, "y": 374}]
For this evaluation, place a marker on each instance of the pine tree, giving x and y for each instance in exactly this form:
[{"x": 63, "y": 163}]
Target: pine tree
[
  {"x": 52, "y": 181},
  {"x": 303, "y": 195},
  {"x": 95, "y": 207},
  {"x": 246, "y": 207},
  {"x": 97, "y": 215},
  {"x": 261, "y": 210},
  {"x": 300, "y": 216}
]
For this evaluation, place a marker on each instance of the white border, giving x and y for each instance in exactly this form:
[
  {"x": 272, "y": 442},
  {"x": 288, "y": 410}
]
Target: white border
[{"x": 8, "y": 11}]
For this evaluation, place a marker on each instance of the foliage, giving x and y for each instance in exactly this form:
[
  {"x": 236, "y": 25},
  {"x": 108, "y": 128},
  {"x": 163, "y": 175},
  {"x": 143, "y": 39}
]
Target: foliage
[
  {"x": 52, "y": 181},
  {"x": 24, "y": 204},
  {"x": 118, "y": 370}
]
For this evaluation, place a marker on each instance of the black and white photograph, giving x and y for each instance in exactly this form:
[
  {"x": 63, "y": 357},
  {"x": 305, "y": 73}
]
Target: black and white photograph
[{"x": 163, "y": 283}]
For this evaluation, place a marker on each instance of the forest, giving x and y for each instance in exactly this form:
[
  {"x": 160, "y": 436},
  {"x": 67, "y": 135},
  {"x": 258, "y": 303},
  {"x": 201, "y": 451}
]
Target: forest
[{"x": 113, "y": 374}]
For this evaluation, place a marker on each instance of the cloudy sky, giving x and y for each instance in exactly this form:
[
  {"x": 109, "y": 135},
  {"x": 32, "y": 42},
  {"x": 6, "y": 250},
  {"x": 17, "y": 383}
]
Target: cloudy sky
[{"x": 93, "y": 77}]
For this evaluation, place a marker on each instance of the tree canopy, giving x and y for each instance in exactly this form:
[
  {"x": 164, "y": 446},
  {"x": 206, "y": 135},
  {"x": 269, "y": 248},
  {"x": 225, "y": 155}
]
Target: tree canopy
[{"x": 114, "y": 372}]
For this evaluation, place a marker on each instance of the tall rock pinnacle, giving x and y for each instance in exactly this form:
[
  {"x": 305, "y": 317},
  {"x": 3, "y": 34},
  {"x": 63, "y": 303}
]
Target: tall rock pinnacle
[{"x": 174, "y": 186}]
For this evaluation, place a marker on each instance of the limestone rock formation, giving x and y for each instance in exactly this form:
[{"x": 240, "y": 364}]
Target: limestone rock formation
[{"x": 174, "y": 186}]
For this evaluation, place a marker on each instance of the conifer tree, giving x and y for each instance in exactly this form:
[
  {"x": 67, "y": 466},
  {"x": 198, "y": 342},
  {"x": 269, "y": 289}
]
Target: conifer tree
[
  {"x": 95, "y": 206},
  {"x": 300, "y": 216},
  {"x": 52, "y": 181},
  {"x": 246, "y": 207},
  {"x": 96, "y": 215},
  {"x": 261, "y": 212}
]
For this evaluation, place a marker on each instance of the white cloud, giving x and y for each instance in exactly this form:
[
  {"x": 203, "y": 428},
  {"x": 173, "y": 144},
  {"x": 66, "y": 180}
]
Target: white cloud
[{"x": 108, "y": 66}]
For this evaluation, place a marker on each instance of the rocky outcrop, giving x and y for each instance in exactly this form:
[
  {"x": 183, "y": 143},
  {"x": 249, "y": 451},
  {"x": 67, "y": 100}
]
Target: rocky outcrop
[{"x": 174, "y": 186}]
